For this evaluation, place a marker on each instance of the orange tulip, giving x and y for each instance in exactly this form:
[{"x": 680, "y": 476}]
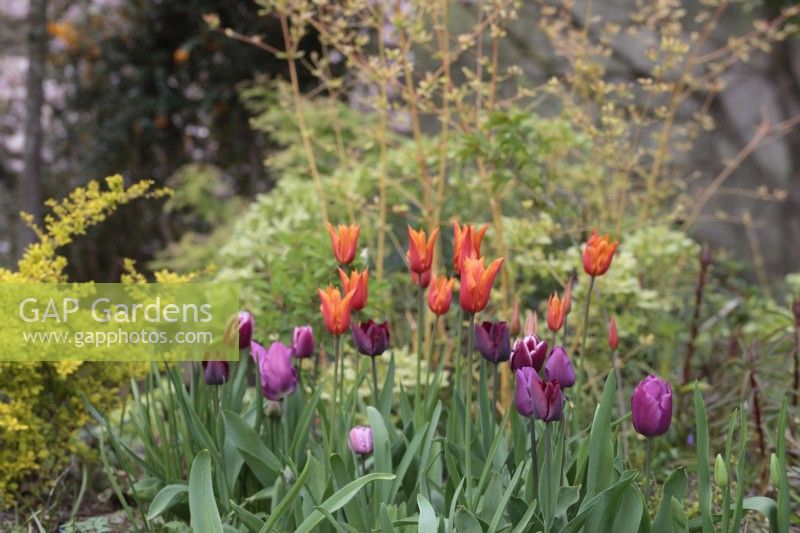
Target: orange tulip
[
  {"x": 344, "y": 240},
  {"x": 555, "y": 313},
  {"x": 466, "y": 243},
  {"x": 597, "y": 254},
  {"x": 440, "y": 295},
  {"x": 476, "y": 283},
  {"x": 613, "y": 336},
  {"x": 357, "y": 282},
  {"x": 420, "y": 250},
  {"x": 335, "y": 309}
]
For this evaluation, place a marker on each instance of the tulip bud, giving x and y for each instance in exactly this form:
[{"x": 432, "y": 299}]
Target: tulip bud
[
  {"x": 555, "y": 313},
  {"x": 215, "y": 372},
  {"x": 361, "y": 440},
  {"x": 651, "y": 407},
  {"x": 245, "y": 329},
  {"x": 303, "y": 342},
  {"x": 278, "y": 376},
  {"x": 531, "y": 323},
  {"x": 492, "y": 341},
  {"x": 288, "y": 475},
  {"x": 371, "y": 338},
  {"x": 613, "y": 338},
  {"x": 559, "y": 368},
  {"x": 529, "y": 351},
  {"x": 774, "y": 470},
  {"x": 524, "y": 378},
  {"x": 514, "y": 326},
  {"x": 566, "y": 302},
  {"x": 720, "y": 472}
]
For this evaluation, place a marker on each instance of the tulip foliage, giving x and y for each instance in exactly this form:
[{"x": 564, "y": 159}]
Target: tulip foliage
[{"x": 274, "y": 442}]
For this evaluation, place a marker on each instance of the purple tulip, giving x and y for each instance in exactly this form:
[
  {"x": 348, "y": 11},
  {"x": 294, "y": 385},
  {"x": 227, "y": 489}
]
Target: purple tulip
[
  {"x": 651, "y": 406},
  {"x": 529, "y": 351},
  {"x": 548, "y": 402},
  {"x": 361, "y": 440},
  {"x": 492, "y": 341},
  {"x": 524, "y": 377},
  {"x": 371, "y": 338},
  {"x": 215, "y": 372},
  {"x": 559, "y": 367},
  {"x": 278, "y": 376},
  {"x": 303, "y": 342},
  {"x": 245, "y": 329}
]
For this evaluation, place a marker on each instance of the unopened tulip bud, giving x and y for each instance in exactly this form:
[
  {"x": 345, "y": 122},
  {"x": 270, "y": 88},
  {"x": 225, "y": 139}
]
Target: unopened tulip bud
[
  {"x": 531, "y": 323},
  {"x": 720, "y": 472},
  {"x": 651, "y": 407},
  {"x": 288, "y": 475},
  {"x": 774, "y": 470},
  {"x": 361, "y": 440},
  {"x": 613, "y": 337},
  {"x": 303, "y": 342},
  {"x": 273, "y": 410}
]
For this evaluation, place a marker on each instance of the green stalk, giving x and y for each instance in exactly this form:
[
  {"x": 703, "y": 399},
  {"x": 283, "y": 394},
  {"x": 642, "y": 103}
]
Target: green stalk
[
  {"x": 620, "y": 403},
  {"x": 374, "y": 381},
  {"x": 420, "y": 331},
  {"x": 648, "y": 467},
  {"x": 582, "y": 366},
  {"x": 496, "y": 384},
  {"x": 548, "y": 499},
  {"x": 335, "y": 386},
  {"x": 468, "y": 405},
  {"x": 534, "y": 459}
]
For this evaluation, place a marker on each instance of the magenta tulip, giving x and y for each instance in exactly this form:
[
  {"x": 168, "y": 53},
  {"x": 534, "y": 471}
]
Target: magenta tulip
[
  {"x": 547, "y": 399},
  {"x": 524, "y": 378},
  {"x": 303, "y": 342},
  {"x": 215, "y": 372},
  {"x": 361, "y": 440},
  {"x": 370, "y": 337},
  {"x": 651, "y": 406},
  {"x": 492, "y": 341},
  {"x": 245, "y": 329},
  {"x": 278, "y": 376},
  {"x": 559, "y": 367},
  {"x": 529, "y": 351}
]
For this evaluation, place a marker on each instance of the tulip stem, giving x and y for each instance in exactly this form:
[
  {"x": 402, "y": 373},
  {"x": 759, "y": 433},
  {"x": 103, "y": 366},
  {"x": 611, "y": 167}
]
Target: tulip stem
[
  {"x": 534, "y": 460},
  {"x": 620, "y": 402},
  {"x": 420, "y": 330},
  {"x": 335, "y": 383},
  {"x": 582, "y": 369},
  {"x": 548, "y": 492},
  {"x": 468, "y": 405},
  {"x": 496, "y": 387},
  {"x": 648, "y": 466},
  {"x": 374, "y": 381}
]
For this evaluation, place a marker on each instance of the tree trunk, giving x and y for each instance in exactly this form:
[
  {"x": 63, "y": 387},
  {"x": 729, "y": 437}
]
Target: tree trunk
[{"x": 29, "y": 188}]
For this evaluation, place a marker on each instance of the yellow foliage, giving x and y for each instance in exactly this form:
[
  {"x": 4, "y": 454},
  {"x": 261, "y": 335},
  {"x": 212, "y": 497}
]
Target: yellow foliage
[{"x": 41, "y": 405}]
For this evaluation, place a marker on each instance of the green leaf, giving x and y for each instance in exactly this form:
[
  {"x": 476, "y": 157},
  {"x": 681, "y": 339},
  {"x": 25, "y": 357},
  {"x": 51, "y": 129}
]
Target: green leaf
[
  {"x": 674, "y": 487},
  {"x": 703, "y": 471},
  {"x": 339, "y": 499},
  {"x": 263, "y": 463},
  {"x": 600, "y": 509},
  {"x": 784, "y": 510},
  {"x": 287, "y": 500},
  {"x": 251, "y": 521},
  {"x": 768, "y": 508},
  {"x": 202, "y": 506},
  {"x": 510, "y": 489},
  {"x": 166, "y": 498},
  {"x": 428, "y": 522},
  {"x": 298, "y": 445},
  {"x": 601, "y": 446},
  {"x": 382, "y": 450}
]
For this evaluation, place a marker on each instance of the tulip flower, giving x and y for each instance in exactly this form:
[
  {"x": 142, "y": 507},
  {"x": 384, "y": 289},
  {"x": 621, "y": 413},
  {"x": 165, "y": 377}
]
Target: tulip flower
[
  {"x": 358, "y": 282},
  {"x": 476, "y": 283},
  {"x": 613, "y": 337},
  {"x": 440, "y": 294},
  {"x": 529, "y": 351},
  {"x": 215, "y": 372},
  {"x": 555, "y": 313},
  {"x": 524, "y": 378},
  {"x": 466, "y": 243},
  {"x": 531, "y": 323},
  {"x": 361, "y": 440},
  {"x": 422, "y": 280},
  {"x": 558, "y": 367},
  {"x": 420, "y": 250},
  {"x": 344, "y": 240},
  {"x": 547, "y": 399},
  {"x": 303, "y": 342},
  {"x": 335, "y": 309},
  {"x": 651, "y": 406},
  {"x": 278, "y": 376},
  {"x": 245, "y": 323},
  {"x": 371, "y": 338},
  {"x": 597, "y": 254},
  {"x": 492, "y": 341}
]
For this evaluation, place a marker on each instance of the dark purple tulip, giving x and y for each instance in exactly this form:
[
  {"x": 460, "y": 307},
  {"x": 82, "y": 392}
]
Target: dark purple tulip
[
  {"x": 361, "y": 440},
  {"x": 215, "y": 372},
  {"x": 492, "y": 340},
  {"x": 548, "y": 402},
  {"x": 245, "y": 329},
  {"x": 278, "y": 376},
  {"x": 651, "y": 406},
  {"x": 303, "y": 342},
  {"x": 528, "y": 351},
  {"x": 371, "y": 338},
  {"x": 559, "y": 367},
  {"x": 524, "y": 378}
]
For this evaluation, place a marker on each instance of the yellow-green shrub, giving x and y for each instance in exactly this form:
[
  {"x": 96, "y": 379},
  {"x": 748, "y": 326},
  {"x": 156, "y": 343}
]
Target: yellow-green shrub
[{"x": 41, "y": 409}]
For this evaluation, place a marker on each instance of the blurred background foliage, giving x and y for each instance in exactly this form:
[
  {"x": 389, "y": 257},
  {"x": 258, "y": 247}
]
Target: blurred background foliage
[{"x": 422, "y": 116}]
